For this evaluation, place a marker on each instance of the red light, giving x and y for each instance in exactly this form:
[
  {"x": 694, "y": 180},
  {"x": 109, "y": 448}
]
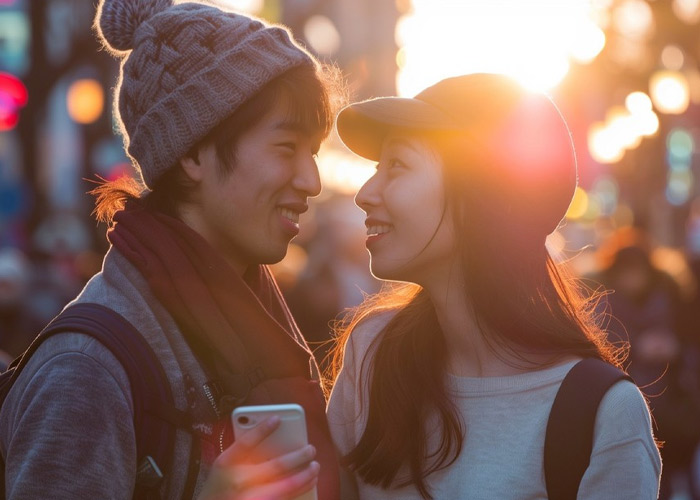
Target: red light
[
  {"x": 13, "y": 87},
  {"x": 8, "y": 114},
  {"x": 13, "y": 95}
]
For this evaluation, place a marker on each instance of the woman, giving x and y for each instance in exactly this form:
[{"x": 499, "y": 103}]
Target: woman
[{"x": 455, "y": 371}]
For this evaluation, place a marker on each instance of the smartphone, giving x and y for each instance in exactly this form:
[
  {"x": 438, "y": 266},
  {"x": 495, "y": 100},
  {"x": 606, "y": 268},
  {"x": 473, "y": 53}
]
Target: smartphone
[{"x": 289, "y": 436}]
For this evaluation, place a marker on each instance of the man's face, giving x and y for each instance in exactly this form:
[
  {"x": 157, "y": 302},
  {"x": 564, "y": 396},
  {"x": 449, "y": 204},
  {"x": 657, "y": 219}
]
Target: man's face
[{"x": 251, "y": 213}]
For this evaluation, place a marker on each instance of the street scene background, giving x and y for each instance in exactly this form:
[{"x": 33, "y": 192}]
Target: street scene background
[{"x": 624, "y": 73}]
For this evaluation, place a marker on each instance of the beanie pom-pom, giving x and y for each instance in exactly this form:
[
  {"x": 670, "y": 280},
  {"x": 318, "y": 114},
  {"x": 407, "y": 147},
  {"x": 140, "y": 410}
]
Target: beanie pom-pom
[{"x": 117, "y": 20}]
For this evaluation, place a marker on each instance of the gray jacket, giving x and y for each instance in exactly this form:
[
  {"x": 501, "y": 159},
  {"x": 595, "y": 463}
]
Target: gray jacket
[{"x": 66, "y": 427}]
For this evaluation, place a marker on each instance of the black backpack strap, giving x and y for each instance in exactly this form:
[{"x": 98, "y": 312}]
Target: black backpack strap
[
  {"x": 152, "y": 397},
  {"x": 568, "y": 442}
]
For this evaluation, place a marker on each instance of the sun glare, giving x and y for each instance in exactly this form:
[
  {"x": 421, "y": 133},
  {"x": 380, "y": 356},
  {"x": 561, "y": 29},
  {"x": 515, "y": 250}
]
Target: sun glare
[
  {"x": 533, "y": 42},
  {"x": 342, "y": 171}
]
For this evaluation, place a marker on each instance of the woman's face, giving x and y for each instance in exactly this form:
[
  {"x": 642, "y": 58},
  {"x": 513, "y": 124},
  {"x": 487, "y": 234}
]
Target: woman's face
[{"x": 409, "y": 230}]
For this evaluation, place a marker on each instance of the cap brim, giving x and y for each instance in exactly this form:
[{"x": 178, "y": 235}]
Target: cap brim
[{"x": 363, "y": 126}]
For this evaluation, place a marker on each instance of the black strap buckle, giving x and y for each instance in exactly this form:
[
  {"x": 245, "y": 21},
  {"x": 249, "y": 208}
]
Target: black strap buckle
[{"x": 148, "y": 474}]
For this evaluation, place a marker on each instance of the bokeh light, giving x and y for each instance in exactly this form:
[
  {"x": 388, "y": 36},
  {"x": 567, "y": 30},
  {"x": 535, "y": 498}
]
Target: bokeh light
[
  {"x": 621, "y": 125},
  {"x": 556, "y": 244},
  {"x": 602, "y": 144},
  {"x": 679, "y": 186},
  {"x": 607, "y": 193},
  {"x": 669, "y": 91},
  {"x": 680, "y": 145},
  {"x": 13, "y": 96},
  {"x": 322, "y": 35},
  {"x": 638, "y": 103},
  {"x": 588, "y": 44},
  {"x": 623, "y": 128},
  {"x": 594, "y": 209},
  {"x": 579, "y": 204},
  {"x": 672, "y": 57},
  {"x": 85, "y": 100},
  {"x": 687, "y": 11},
  {"x": 648, "y": 123},
  {"x": 249, "y": 6},
  {"x": 633, "y": 19}
]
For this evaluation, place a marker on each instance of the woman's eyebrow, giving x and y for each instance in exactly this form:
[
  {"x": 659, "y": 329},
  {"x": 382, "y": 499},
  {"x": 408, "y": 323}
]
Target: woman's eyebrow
[{"x": 400, "y": 141}]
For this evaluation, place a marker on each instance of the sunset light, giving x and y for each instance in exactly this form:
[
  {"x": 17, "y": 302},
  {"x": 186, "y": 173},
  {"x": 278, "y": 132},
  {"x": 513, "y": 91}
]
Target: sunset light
[
  {"x": 356, "y": 248},
  {"x": 533, "y": 42},
  {"x": 342, "y": 171}
]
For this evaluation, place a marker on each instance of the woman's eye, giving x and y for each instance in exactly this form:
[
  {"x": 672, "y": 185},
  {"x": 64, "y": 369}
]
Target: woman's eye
[
  {"x": 394, "y": 164},
  {"x": 290, "y": 146}
]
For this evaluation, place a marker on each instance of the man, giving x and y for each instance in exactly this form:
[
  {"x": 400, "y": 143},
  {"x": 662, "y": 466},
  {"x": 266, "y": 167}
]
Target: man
[{"x": 222, "y": 116}]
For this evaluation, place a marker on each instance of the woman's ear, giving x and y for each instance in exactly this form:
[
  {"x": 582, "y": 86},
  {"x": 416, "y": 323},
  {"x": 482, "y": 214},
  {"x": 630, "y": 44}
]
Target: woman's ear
[{"x": 191, "y": 165}]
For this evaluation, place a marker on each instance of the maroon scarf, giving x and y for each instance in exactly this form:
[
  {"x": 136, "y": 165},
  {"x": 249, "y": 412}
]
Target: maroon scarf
[{"x": 231, "y": 323}]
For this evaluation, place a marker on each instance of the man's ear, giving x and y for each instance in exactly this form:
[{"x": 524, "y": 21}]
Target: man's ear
[{"x": 191, "y": 165}]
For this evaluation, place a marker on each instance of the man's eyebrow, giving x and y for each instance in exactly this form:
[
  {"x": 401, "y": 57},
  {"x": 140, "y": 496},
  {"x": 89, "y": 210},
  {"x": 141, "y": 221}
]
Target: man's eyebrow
[
  {"x": 291, "y": 126},
  {"x": 298, "y": 127}
]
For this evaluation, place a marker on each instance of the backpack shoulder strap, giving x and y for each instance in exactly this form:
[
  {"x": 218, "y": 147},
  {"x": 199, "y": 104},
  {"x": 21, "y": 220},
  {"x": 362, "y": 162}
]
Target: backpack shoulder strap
[
  {"x": 568, "y": 441},
  {"x": 151, "y": 393}
]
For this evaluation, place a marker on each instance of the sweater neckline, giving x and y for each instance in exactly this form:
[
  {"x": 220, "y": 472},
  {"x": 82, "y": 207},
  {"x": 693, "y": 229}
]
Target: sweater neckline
[{"x": 524, "y": 381}]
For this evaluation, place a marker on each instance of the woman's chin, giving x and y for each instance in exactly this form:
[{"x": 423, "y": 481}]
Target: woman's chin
[
  {"x": 389, "y": 273},
  {"x": 381, "y": 272}
]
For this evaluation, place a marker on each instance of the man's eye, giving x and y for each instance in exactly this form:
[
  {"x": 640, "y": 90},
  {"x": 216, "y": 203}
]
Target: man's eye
[
  {"x": 291, "y": 146},
  {"x": 396, "y": 164}
]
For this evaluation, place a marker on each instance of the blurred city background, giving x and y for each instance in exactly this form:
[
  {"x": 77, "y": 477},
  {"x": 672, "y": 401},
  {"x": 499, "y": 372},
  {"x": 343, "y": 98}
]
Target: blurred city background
[{"x": 625, "y": 73}]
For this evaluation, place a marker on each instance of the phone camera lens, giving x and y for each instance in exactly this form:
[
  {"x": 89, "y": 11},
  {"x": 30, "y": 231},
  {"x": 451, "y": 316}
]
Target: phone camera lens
[{"x": 243, "y": 420}]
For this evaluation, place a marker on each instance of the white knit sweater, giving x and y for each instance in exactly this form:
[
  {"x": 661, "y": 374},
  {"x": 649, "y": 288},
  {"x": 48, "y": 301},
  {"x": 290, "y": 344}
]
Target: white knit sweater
[{"x": 506, "y": 419}]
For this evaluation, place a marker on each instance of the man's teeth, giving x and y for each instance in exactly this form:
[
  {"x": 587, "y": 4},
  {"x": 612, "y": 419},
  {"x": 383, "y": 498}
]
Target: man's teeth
[
  {"x": 374, "y": 230},
  {"x": 291, "y": 215}
]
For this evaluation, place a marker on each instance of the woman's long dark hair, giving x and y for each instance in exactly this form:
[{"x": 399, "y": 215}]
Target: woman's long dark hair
[{"x": 523, "y": 303}]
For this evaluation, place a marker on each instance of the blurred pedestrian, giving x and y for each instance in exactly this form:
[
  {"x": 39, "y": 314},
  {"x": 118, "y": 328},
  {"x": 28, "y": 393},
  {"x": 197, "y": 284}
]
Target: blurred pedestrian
[
  {"x": 222, "y": 115},
  {"x": 647, "y": 309},
  {"x": 446, "y": 383}
]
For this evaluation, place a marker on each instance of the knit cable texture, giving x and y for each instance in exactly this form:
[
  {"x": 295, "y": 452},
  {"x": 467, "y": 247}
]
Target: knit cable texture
[{"x": 191, "y": 65}]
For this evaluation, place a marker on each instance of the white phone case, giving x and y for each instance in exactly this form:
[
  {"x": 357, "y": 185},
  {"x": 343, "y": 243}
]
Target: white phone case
[{"x": 289, "y": 436}]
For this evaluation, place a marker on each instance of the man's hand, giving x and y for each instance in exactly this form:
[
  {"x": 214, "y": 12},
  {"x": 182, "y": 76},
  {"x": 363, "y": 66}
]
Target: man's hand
[{"x": 237, "y": 474}]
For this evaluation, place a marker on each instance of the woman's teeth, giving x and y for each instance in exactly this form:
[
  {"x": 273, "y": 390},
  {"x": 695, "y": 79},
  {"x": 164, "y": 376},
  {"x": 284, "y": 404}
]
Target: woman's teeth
[
  {"x": 375, "y": 230},
  {"x": 290, "y": 214}
]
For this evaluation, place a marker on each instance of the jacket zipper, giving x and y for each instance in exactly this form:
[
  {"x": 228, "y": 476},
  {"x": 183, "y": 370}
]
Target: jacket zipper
[{"x": 215, "y": 406}]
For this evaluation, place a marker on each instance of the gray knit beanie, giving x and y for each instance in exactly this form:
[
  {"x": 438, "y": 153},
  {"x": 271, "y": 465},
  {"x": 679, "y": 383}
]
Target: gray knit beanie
[{"x": 184, "y": 69}]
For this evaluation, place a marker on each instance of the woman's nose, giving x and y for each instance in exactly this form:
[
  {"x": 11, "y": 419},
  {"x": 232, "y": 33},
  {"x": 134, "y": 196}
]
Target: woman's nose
[{"x": 368, "y": 195}]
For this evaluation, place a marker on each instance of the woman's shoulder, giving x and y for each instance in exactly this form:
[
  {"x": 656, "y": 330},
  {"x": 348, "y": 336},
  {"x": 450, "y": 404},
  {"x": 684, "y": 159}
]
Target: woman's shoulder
[
  {"x": 623, "y": 447},
  {"x": 624, "y": 402},
  {"x": 363, "y": 337},
  {"x": 623, "y": 417},
  {"x": 368, "y": 329},
  {"x": 374, "y": 323}
]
